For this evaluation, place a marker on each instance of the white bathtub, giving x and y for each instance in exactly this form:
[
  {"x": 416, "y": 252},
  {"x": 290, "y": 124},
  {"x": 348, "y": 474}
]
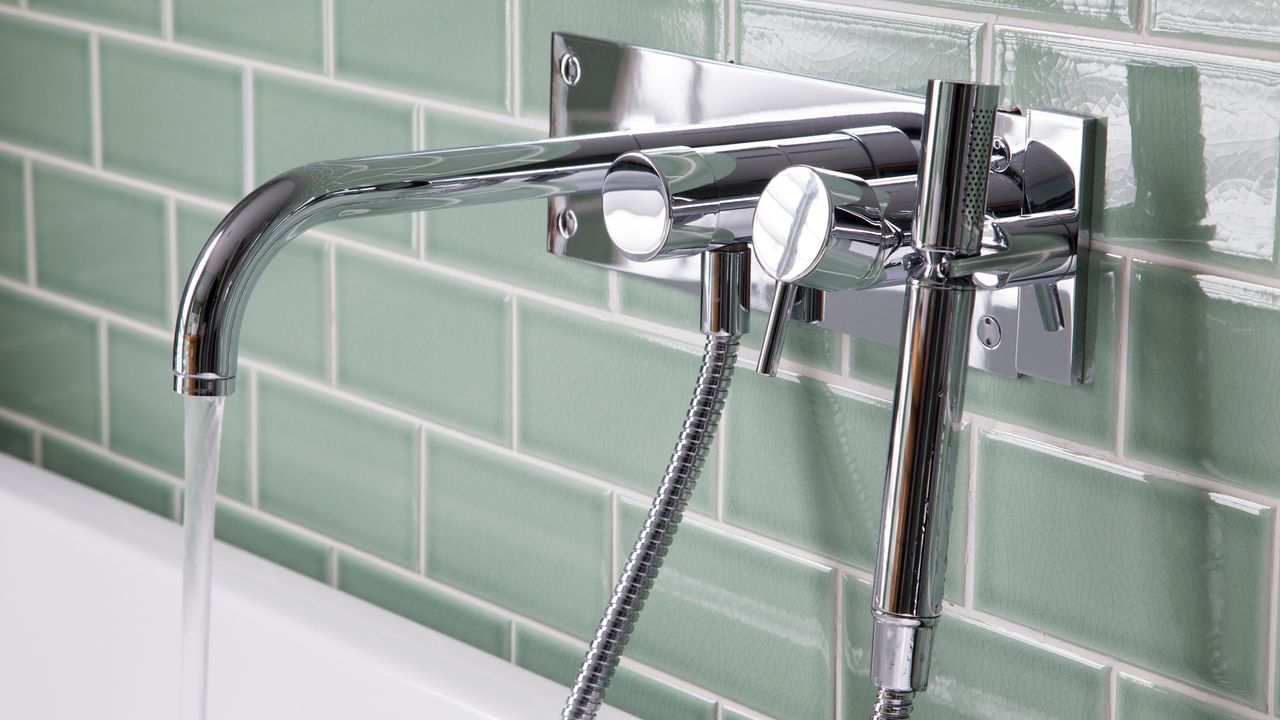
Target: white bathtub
[{"x": 89, "y": 616}]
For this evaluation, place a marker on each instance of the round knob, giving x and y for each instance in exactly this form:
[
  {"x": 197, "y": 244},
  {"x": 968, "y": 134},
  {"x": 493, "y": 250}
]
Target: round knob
[{"x": 637, "y": 202}]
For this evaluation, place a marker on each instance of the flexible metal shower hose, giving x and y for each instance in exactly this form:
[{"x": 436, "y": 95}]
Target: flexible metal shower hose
[
  {"x": 659, "y": 529},
  {"x": 891, "y": 705}
]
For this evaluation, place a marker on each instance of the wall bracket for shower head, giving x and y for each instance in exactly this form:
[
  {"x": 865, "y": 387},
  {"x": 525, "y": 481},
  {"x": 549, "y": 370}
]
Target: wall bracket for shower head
[{"x": 1040, "y": 184}]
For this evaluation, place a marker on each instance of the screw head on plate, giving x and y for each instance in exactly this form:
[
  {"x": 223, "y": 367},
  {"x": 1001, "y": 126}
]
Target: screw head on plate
[
  {"x": 567, "y": 224},
  {"x": 1000, "y": 155},
  {"x": 570, "y": 69},
  {"x": 989, "y": 332}
]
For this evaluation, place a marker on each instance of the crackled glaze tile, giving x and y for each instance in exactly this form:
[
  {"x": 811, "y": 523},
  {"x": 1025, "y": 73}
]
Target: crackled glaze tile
[
  {"x": 1193, "y": 141},
  {"x": 1231, "y": 20},
  {"x": 1140, "y": 700},
  {"x": 1169, "y": 577}
]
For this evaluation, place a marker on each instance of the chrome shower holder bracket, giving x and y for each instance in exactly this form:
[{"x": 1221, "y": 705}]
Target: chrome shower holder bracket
[{"x": 1025, "y": 323}]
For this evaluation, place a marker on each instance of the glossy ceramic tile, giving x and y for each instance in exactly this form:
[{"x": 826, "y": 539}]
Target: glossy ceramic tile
[
  {"x": 518, "y": 536},
  {"x": 1235, "y": 21},
  {"x": 506, "y": 241},
  {"x": 604, "y": 400},
  {"x": 13, "y": 219},
  {"x": 688, "y": 26},
  {"x": 102, "y": 243},
  {"x": 446, "y": 49},
  {"x": 1107, "y": 12},
  {"x": 1139, "y": 700},
  {"x": 1083, "y": 413},
  {"x": 630, "y": 691},
  {"x": 172, "y": 119},
  {"x": 50, "y": 361},
  {"x": 47, "y": 105},
  {"x": 146, "y": 416},
  {"x": 289, "y": 32},
  {"x": 425, "y": 343},
  {"x": 1199, "y": 346},
  {"x": 339, "y": 469},
  {"x": 978, "y": 673},
  {"x": 1166, "y": 576},
  {"x": 266, "y": 539},
  {"x": 296, "y": 123},
  {"x": 137, "y": 15},
  {"x": 749, "y": 623},
  {"x": 101, "y": 472},
  {"x": 806, "y": 464},
  {"x": 17, "y": 440},
  {"x": 418, "y": 601},
  {"x": 865, "y": 47},
  {"x": 287, "y": 318},
  {"x": 1193, "y": 141}
]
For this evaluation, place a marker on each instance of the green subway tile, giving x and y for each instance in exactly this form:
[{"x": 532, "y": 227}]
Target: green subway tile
[
  {"x": 521, "y": 537},
  {"x": 630, "y": 690},
  {"x": 146, "y": 415},
  {"x": 17, "y": 440},
  {"x": 100, "y": 472},
  {"x": 977, "y": 673},
  {"x": 606, "y": 401},
  {"x": 649, "y": 299},
  {"x": 45, "y": 88},
  {"x": 1085, "y": 413},
  {"x": 289, "y": 32},
  {"x": 829, "y": 450},
  {"x": 506, "y": 241},
  {"x": 1140, "y": 700},
  {"x": 1119, "y": 13},
  {"x": 172, "y": 119},
  {"x": 693, "y": 27},
  {"x": 874, "y": 362},
  {"x": 1163, "y": 575},
  {"x": 102, "y": 243},
  {"x": 855, "y": 45},
  {"x": 425, "y": 343},
  {"x": 1195, "y": 347},
  {"x": 1187, "y": 169},
  {"x": 139, "y": 15},
  {"x": 339, "y": 469},
  {"x": 13, "y": 223},
  {"x": 446, "y": 49},
  {"x": 299, "y": 122},
  {"x": 748, "y": 623},
  {"x": 1239, "y": 20},
  {"x": 50, "y": 361},
  {"x": 416, "y": 600},
  {"x": 279, "y": 545},
  {"x": 286, "y": 320}
]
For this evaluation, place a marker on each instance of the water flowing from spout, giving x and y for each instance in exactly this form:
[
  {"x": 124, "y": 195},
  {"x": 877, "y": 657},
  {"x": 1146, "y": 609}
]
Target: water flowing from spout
[{"x": 203, "y": 436}]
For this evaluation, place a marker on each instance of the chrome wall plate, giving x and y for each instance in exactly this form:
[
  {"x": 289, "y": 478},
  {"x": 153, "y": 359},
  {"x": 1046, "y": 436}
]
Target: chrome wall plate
[{"x": 602, "y": 86}]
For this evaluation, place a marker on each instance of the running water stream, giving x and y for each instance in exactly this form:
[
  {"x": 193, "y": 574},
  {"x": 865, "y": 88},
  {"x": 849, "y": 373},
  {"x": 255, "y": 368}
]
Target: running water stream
[{"x": 203, "y": 436}]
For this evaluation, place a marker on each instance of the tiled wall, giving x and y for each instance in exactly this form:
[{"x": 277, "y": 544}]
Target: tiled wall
[{"x": 440, "y": 418}]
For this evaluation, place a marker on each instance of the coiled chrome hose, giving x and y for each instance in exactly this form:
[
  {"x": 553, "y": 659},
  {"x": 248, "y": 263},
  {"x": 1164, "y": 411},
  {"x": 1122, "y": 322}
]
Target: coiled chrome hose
[{"x": 659, "y": 529}]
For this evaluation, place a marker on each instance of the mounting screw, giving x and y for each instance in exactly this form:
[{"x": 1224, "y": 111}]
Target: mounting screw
[
  {"x": 570, "y": 69},
  {"x": 1000, "y": 154},
  {"x": 989, "y": 332},
  {"x": 567, "y": 224}
]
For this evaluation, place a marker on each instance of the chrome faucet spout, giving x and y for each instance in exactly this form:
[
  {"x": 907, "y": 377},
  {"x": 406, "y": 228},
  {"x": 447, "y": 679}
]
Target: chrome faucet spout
[{"x": 212, "y": 306}]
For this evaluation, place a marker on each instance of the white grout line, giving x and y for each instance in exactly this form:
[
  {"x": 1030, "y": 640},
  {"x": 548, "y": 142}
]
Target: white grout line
[
  {"x": 1122, "y": 357},
  {"x": 614, "y": 302},
  {"x": 255, "y": 478},
  {"x": 730, "y": 48},
  {"x": 330, "y": 42},
  {"x": 511, "y": 641},
  {"x": 513, "y": 57},
  {"x": 422, "y": 501},
  {"x": 971, "y": 530},
  {"x": 331, "y": 279},
  {"x": 37, "y": 447},
  {"x": 611, "y": 542},
  {"x": 29, "y": 209},
  {"x": 104, "y": 384},
  {"x": 720, "y": 479},
  {"x": 95, "y": 99},
  {"x": 333, "y": 565},
  {"x": 255, "y": 64},
  {"x": 987, "y": 63},
  {"x": 1112, "y": 683},
  {"x": 1273, "y": 654},
  {"x": 171, "y": 248},
  {"x": 838, "y": 655},
  {"x": 514, "y": 371},
  {"x": 1141, "y": 17},
  {"x": 247, "y": 128},
  {"x": 166, "y": 19}
]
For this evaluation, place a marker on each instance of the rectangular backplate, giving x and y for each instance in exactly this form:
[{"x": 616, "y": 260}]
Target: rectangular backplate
[{"x": 623, "y": 87}]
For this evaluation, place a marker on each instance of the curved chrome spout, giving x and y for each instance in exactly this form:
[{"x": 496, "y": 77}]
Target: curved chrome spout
[{"x": 208, "y": 327}]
